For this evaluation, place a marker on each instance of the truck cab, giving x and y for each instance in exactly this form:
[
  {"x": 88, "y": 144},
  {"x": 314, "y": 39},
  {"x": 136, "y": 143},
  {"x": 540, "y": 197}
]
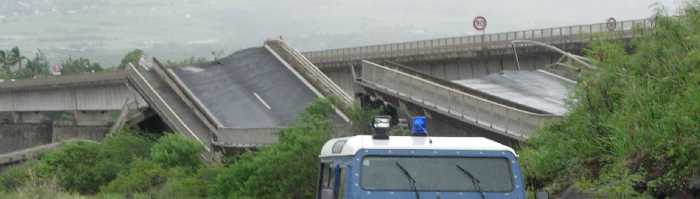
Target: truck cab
[{"x": 418, "y": 167}]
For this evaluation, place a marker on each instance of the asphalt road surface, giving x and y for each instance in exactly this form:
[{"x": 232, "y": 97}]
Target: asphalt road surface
[
  {"x": 534, "y": 89},
  {"x": 248, "y": 89}
]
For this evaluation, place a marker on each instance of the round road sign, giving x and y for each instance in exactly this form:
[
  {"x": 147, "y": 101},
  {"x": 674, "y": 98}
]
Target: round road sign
[
  {"x": 612, "y": 24},
  {"x": 480, "y": 23}
]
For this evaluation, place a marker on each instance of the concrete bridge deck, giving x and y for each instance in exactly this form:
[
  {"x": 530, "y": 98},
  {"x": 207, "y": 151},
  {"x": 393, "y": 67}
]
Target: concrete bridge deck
[
  {"x": 189, "y": 101},
  {"x": 85, "y": 92},
  {"x": 538, "y": 89},
  {"x": 569, "y": 37},
  {"x": 457, "y": 104}
]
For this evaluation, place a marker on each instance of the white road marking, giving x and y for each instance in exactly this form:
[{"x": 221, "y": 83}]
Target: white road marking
[{"x": 262, "y": 101}]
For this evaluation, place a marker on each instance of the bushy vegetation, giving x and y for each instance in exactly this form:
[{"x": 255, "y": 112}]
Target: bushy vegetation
[
  {"x": 127, "y": 164},
  {"x": 14, "y": 65},
  {"x": 633, "y": 129},
  {"x": 284, "y": 170},
  {"x": 361, "y": 117},
  {"x": 131, "y": 57},
  {"x": 79, "y": 65}
]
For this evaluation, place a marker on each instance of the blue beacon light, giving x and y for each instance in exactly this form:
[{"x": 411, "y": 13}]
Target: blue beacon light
[{"x": 418, "y": 126}]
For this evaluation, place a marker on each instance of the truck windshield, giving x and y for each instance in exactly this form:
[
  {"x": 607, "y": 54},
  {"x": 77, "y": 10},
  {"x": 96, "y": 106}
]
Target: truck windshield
[{"x": 436, "y": 174}]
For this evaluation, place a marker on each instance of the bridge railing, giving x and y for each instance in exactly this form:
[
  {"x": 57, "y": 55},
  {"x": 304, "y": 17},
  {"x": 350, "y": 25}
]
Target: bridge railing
[
  {"x": 503, "y": 119},
  {"x": 310, "y": 71},
  {"x": 577, "y": 33}
]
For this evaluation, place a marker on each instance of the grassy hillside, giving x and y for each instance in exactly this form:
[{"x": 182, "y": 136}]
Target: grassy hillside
[{"x": 634, "y": 125}]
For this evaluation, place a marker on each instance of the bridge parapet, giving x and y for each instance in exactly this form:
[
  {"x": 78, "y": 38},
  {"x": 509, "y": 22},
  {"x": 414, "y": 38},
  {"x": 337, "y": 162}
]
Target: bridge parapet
[
  {"x": 309, "y": 71},
  {"x": 505, "y": 120},
  {"x": 103, "y": 91},
  {"x": 465, "y": 44}
]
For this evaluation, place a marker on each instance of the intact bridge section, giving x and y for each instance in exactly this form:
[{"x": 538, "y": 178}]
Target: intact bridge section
[{"x": 474, "y": 56}]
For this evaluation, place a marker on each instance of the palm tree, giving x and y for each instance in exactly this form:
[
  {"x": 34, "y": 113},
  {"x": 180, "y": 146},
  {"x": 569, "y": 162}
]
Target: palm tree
[
  {"x": 15, "y": 58},
  {"x": 3, "y": 61}
]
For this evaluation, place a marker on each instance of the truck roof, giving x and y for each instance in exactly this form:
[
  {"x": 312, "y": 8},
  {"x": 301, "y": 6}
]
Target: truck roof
[{"x": 348, "y": 146}]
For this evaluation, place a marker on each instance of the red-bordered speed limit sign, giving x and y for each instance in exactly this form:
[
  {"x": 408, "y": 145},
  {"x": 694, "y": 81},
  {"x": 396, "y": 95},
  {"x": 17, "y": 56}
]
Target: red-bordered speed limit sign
[
  {"x": 612, "y": 24},
  {"x": 480, "y": 23}
]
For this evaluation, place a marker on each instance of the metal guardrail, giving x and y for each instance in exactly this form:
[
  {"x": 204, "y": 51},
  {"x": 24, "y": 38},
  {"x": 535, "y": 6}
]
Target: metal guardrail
[
  {"x": 567, "y": 34},
  {"x": 310, "y": 71},
  {"x": 509, "y": 121}
]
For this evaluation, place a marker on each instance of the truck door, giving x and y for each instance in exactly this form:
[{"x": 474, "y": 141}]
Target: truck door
[{"x": 330, "y": 182}]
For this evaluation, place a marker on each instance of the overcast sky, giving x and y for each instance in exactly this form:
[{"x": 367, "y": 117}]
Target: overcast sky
[{"x": 106, "y": 29}]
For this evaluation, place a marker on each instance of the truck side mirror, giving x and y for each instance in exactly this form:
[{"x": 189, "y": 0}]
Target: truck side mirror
[{"x": 542, "y": 195}]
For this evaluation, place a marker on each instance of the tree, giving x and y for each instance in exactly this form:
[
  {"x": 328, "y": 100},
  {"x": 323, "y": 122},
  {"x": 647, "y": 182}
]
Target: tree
[
  {"x": 33, "y": 68},
  {"x": 4, "y": 74},
  {"x": 132, "y": 57},
  {"x": 36, "y": 67},
  {"x": 80, "y": 65},
  {"x": 11, "y": 58},
  {"x": 3, "y": 62},
  {"x": 16, "y": 58}
]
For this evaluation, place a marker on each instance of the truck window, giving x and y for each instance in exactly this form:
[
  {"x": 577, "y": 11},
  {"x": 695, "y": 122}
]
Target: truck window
[
  {"x": 436, "y": 173},
  {"x": 326, "y": 182},
  {"x": 331, "y": 182}
]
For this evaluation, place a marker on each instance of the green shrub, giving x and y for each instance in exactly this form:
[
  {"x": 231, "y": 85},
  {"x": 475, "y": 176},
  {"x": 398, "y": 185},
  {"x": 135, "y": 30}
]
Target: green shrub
[
  {"x": 85, "y": 166},
  {"x": 118, "y": 151},
  {"x": 16, "y": 176},
  {"x": 634, "y": 127},
  {"x": 36, "y": 187},
  {"x": 361, "y": 118},
  {"x": 189, "y": 186},
  {"x": 173, "y": 150},
  {"x": 284, "y": 170},
  {"x": 73, "y": 166},
  {"x": 142, "y": 176}
]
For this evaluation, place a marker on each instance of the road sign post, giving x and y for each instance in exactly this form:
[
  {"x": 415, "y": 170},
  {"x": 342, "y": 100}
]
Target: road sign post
[
  {"x": 479, "y": 23},
  {"x": 612, "y": 24}
]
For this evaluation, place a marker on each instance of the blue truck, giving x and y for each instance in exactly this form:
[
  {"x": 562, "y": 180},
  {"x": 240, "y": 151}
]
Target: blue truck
[{"x": 417, "y": 166}]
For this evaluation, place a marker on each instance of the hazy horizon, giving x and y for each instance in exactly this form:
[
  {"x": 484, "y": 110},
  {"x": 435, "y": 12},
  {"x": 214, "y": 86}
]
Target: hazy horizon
[{"x": 104, "y": 30}]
